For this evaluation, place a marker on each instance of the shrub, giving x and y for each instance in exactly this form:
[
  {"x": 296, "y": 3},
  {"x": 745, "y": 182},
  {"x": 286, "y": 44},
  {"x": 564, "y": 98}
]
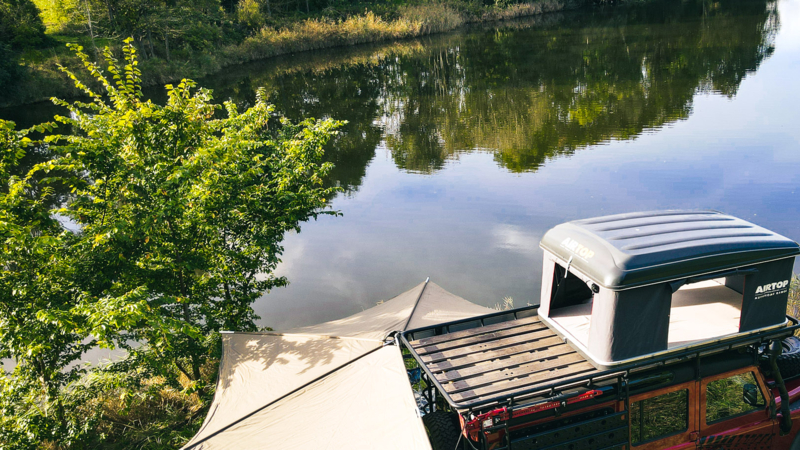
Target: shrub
[
  {"x": 248, "y": 12},
  {"x": 794, "y": 297}
]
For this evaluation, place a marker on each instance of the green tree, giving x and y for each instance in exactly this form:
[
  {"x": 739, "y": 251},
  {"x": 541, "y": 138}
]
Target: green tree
[
  {"x": 20, "y": 28},
  {"x": 20, "y": 24},
  {"x": 38, "y": 327},
  {"x": 181, "y": 213},
  {"x": 9, "y": 68},
  {"x": 171, "y": 230}
]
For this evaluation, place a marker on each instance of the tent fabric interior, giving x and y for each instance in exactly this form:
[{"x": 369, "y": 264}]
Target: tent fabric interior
[
  {"x": 327, "y": 386},
  {"x": 710, "y": 302}
]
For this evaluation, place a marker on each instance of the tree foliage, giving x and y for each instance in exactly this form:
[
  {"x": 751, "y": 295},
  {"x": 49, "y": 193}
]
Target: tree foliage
[
  {"x": 38, "y": 328},
  {"x": 170, "y": 230},
  {"x": 9, "y": 68},
  {"x": 20, "y": 28},
  {"x": 20, "y": 24}
]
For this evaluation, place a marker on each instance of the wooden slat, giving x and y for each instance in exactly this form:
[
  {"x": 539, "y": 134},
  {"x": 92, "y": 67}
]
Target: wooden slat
[
  {"x": 473, "y": 331},
  {"x": 510, "y": 386},
  {"x": 530, "y": 339},
  {"x": 469, "y": 360},
  {"x": 513, "y": 372},
  {"x": 470, "y": 340},
  {"x": 499, "y": 364},
  {"x": 505, "y": 358}
]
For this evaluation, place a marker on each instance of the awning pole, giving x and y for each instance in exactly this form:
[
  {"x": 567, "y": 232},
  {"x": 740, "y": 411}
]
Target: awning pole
[{"x": 405, "y": 327}]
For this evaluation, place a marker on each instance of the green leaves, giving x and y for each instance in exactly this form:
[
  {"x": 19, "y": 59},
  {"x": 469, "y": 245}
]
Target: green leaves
[
  {"x": 175, "y": 222},
  {"x": 12, "y": 148},
  {"x": 38, "y": 327}
]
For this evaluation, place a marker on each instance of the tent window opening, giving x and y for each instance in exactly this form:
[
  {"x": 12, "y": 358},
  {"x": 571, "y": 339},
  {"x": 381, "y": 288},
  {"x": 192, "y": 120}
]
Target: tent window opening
[
  {"x": 569, "y": 291},
  {"x": 705, "y": 310},
  {"x": 571, "y": 303},
  {"x": 649, "y": 318}
]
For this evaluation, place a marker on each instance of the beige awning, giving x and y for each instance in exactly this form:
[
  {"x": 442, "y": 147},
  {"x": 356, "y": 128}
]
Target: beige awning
[
  {"x": 328, "y": 386},
  {"x": 426, "y": 304}
]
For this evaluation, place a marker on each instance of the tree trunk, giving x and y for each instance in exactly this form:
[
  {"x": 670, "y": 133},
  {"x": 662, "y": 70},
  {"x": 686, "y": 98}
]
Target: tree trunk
[
  {"x": 150, "y": 42},
  {"x": 111, "y": 20},
  {"x": 140, "y": 46},
  {"x": 166, "y": 43},
  {"x": 91, "y": 31},
  {"x": 193, "y": 347}
]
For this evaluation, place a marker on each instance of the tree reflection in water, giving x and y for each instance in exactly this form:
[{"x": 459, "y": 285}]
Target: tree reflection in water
[
  {"x": 525, "y": 91},
  {"x": 530, "y": 94}
]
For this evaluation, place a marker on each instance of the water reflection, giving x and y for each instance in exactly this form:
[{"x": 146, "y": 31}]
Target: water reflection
[
  {"x": 527, "y": 91},
  {"x": 529, "y": 95},
  {"x": 460, "y": 149}
]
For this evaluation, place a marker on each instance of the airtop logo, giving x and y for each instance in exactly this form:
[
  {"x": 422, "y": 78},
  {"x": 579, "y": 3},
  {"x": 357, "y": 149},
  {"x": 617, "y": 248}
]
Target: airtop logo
[
  {"x": 766, "y": 288},
  {"x": 577, "y": 248}
]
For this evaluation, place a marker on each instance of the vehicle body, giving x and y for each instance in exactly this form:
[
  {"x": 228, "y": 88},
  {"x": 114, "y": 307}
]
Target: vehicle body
[{"x": 573, "y": 374}]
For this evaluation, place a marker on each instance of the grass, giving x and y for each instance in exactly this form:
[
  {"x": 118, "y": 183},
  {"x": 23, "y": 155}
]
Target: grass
[
  {"x": 793, "y": 307},
  {"x": 505, "y": 305},
  {"x": 145, "y": 413},
  {"x": 45, "y": 80},
  {"x": 315, "y": 34}
]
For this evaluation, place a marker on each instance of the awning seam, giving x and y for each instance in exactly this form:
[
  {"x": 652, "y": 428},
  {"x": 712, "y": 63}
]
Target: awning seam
[{"x": 410, "y": 316}]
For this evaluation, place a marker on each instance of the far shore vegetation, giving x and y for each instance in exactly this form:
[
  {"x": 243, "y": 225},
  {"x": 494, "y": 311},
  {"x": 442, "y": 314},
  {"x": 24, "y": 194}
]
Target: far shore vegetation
[{"x": 179, "y": 38}]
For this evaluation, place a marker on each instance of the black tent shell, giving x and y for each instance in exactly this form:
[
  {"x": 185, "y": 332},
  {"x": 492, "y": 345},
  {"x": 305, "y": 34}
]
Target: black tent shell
[{"x": 628, "y": 250}]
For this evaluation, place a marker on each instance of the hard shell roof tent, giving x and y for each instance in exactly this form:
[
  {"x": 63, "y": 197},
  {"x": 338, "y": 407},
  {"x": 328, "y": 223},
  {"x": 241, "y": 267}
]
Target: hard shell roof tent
[{"x": 631, "y": 286}]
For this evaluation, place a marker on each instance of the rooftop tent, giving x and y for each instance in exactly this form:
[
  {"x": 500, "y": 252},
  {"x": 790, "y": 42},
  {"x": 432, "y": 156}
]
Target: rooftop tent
[
  {"x": 633, "y": 285},
  {"x": 328, "y": 386}
]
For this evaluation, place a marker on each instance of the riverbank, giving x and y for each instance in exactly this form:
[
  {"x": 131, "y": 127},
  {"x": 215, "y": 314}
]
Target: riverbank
[{"x": 44, "y": 79}]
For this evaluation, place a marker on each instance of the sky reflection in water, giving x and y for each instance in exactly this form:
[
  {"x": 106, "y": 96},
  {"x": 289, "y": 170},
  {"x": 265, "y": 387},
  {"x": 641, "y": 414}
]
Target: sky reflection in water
[{"x": 483, "y": 140}]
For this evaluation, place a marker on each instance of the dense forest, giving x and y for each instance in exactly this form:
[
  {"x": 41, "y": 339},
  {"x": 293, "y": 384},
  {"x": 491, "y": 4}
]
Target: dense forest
[{"x": 178, "y": 38}]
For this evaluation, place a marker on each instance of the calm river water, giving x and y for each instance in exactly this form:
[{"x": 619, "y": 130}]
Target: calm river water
[{"x": 463, "y": 149}]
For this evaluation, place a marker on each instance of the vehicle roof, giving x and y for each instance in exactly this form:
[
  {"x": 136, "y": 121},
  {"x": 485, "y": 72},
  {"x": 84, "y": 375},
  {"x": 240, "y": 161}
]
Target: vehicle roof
[{"x": 627, "y": 250}]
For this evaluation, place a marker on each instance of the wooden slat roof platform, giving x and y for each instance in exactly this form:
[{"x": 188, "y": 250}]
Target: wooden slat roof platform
[{"x": 505, "y": 358}]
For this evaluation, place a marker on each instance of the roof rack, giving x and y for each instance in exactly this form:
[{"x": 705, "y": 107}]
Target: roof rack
[{"x": 511, "y": 356}]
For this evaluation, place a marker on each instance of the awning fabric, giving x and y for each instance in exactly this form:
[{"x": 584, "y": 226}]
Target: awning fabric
[
  {"x": 426, "y": 304},
  {"x": 335, "y": 385}
]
